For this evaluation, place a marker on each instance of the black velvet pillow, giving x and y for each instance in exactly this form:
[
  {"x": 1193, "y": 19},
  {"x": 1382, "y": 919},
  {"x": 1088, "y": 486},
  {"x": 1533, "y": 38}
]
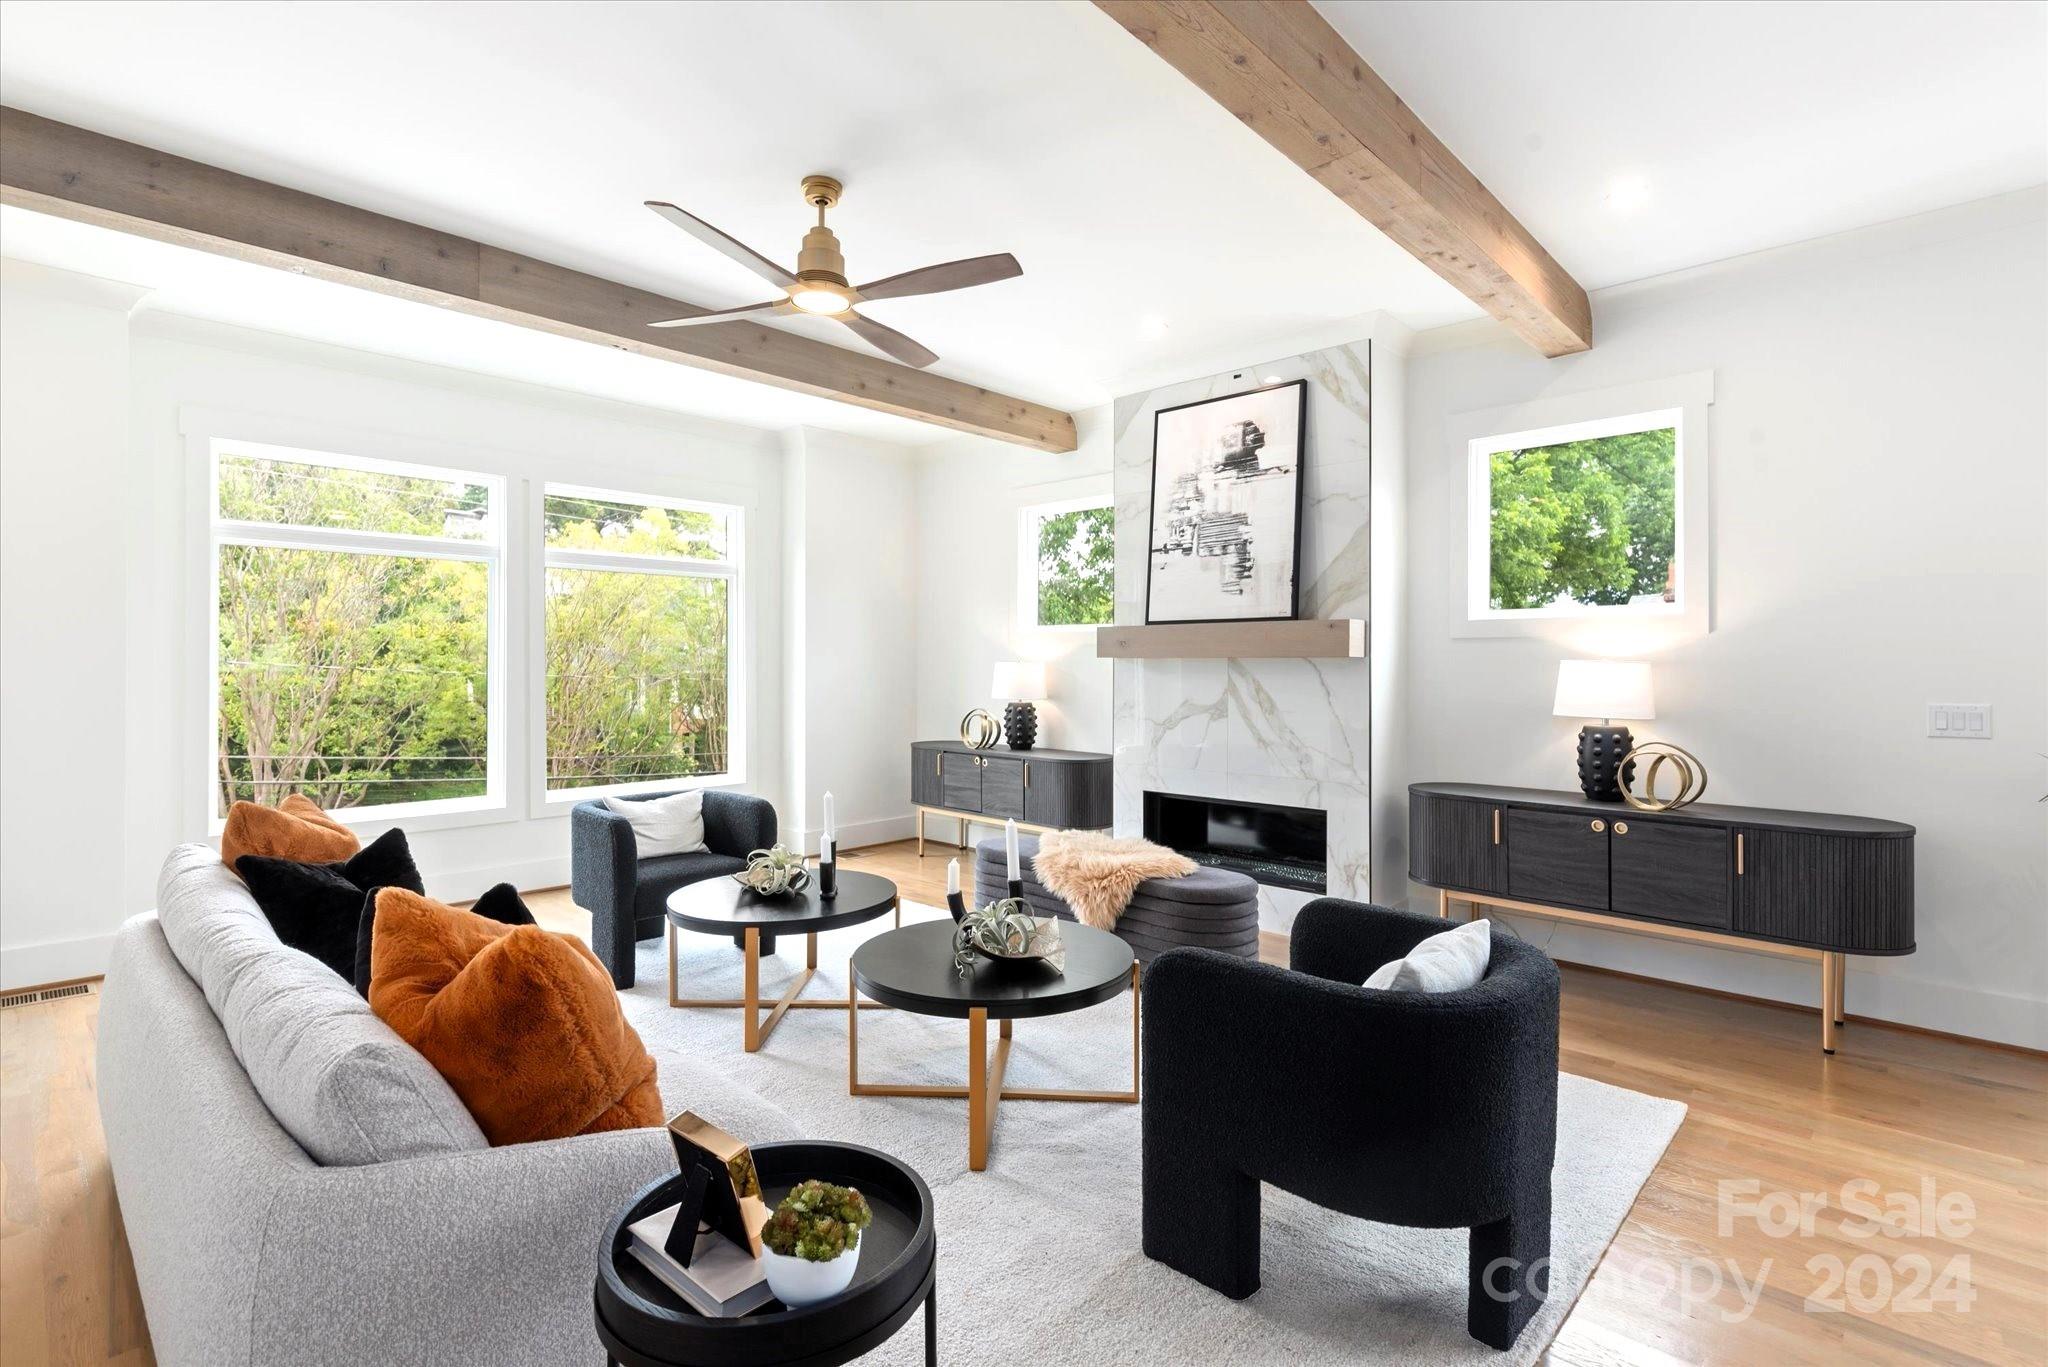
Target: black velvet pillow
[
  {"x": 500, "y": 904},
  {"x": 315, "y": 907}
]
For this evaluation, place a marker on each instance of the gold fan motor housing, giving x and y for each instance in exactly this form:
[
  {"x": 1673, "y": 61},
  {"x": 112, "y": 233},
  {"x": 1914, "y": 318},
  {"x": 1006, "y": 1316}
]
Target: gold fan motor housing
[{"x": 820, "y": 259}]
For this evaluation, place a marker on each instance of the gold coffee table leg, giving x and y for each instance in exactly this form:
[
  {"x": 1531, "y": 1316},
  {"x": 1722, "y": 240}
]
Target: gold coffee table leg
[{"x": 984, "y": 1090}]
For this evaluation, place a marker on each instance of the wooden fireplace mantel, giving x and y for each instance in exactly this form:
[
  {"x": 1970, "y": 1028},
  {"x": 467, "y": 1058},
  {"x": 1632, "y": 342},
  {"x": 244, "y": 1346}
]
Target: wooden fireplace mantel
[{"x": 1335, "y": 638}]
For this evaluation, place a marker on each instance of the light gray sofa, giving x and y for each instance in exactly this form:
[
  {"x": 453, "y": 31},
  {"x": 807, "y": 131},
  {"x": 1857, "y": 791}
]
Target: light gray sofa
[{"x": 226, "y": 1064}]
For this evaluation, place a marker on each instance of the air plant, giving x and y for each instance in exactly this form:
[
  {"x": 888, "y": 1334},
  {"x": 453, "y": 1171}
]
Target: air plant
[
  {"x": 772, "y": 872},
  {"x": 1005, "y": 930}
]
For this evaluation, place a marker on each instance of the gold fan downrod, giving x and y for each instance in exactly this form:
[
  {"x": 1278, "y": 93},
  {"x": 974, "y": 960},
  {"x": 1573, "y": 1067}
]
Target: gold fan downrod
[{"x": 820, "y": 259}]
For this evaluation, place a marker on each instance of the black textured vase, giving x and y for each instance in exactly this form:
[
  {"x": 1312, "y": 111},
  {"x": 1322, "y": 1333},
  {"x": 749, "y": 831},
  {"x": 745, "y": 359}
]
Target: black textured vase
[
  {"x": 1020, "y": 725},
  {"x": 1600, "y": 752}
]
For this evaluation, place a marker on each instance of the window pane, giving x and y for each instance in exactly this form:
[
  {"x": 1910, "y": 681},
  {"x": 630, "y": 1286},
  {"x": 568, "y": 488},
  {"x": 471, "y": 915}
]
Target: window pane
[
  {"x": 1077, "y": 568},
  {"x": 628, "y": 528},
  {"x": 1585, "y": 522},
  {"x": 358, "y": 680},
  {"x": 637, "y": 684},
  {"x": 301, "y": 494}
]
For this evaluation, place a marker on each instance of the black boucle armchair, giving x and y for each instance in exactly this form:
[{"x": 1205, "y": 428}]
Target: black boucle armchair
[
  {"x": 627, "y": 896},
  {"x": 1434, "y": 1111}
]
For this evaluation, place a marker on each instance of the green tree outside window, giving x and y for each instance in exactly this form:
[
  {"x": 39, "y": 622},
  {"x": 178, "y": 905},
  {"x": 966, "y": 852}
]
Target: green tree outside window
[
  {"x": 1590, "y": 522},
  {"x": 1077, "y": 568}
]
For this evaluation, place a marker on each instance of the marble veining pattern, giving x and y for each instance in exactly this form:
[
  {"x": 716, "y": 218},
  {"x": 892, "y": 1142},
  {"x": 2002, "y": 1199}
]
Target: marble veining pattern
[{"x": 1293, "y": 732}]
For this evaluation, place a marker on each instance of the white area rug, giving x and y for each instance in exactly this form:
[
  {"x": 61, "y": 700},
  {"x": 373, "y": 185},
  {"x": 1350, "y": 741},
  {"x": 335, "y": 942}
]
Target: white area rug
[{"x": 1039, "y": 1258}]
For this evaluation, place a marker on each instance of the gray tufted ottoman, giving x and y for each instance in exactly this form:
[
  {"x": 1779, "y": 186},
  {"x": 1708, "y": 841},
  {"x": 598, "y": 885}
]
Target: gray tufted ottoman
[{"x": 1209, "y": 909}]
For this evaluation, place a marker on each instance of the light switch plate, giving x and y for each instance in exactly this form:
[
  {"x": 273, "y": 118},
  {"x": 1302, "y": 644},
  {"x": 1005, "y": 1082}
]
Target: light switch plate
[{"x": 1959, "y": 720}]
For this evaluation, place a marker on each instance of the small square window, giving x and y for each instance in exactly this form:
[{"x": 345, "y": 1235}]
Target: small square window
[
  {"x": 1580, "y": 520},
  {"x": 1067, "y": 564}
]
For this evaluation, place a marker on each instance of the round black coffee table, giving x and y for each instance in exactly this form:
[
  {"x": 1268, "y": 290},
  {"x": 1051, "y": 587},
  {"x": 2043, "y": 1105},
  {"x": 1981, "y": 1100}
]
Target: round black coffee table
[
  {"x": 643, "y": 1324},
  {"x": 911, "y": 968},
  {"x": 723, "y": 907}
]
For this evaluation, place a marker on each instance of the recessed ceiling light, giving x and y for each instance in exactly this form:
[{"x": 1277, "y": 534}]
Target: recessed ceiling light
[
  {"x": 1627, "y": 193},
  {"x": 1151, "y": 329},
  {"x": 1271, "y": 379}
]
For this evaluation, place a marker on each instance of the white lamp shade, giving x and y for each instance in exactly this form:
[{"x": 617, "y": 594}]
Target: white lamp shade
[
  {"x": 1018, "y": 681},
  {"x": 1616, "y": 689}
]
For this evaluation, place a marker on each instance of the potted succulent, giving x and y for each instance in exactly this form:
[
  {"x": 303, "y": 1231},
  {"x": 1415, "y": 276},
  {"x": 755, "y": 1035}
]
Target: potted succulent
[{"x": 811, "y": 1244}]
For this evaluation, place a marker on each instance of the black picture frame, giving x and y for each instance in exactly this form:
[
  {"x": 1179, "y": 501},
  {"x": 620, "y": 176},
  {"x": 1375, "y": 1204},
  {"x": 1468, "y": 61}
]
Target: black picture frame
[{"x": 1293, "y": 612}]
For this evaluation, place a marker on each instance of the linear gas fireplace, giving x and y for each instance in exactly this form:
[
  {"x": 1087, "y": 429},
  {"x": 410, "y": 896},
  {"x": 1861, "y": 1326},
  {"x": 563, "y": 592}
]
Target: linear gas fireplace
[{"x": 1284, "y": 847}]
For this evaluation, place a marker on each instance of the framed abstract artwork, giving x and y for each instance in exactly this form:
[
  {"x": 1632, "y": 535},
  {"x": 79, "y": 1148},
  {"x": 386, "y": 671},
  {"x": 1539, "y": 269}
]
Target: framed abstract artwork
[{"x": 1225, "y": 529}]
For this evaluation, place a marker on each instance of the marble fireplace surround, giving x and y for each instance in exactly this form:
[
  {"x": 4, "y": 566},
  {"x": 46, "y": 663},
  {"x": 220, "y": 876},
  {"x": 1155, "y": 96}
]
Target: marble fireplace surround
[{"x": 1295, "y": 732}]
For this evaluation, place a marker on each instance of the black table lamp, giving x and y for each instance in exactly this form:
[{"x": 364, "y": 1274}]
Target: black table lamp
[
  {"x": 1019, "y": 684},
  {"x": 1609, "y": 690}
]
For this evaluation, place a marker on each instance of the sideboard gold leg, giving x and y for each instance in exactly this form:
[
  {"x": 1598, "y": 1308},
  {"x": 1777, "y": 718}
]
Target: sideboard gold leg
[
  {"x": 1443, "y": 905},
  {"x": 918, "y": 813},
  {"x": 1841, "y": 990},
  {"x": 1830, "y": 967}
]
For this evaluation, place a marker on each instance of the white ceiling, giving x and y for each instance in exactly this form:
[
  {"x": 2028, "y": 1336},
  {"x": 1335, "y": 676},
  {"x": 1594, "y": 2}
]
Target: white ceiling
[
  {"x": 1727, "y": 127},
  {"x": 1159, "y": 237},
  {"x": 959, "y": 129}
]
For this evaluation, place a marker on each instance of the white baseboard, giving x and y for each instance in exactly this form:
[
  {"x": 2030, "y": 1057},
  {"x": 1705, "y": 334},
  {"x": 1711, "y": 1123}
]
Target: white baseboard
[
  {"x": 462, "y": 885},
  {"x": 854, "y": 834},
  {"x": 54, "y": 961}
]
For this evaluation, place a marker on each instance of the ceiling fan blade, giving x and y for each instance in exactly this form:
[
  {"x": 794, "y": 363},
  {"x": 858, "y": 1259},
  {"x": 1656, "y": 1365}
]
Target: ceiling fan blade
[
  {"x": 888, "y": 340},
  {"x": 730, "y": 246},
  {"x": 953, "y": 275},
  {"x": 767, "y": 309}
]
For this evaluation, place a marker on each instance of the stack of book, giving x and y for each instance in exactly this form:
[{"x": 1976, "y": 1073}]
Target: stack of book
[{"x": 723, "y": 1280}]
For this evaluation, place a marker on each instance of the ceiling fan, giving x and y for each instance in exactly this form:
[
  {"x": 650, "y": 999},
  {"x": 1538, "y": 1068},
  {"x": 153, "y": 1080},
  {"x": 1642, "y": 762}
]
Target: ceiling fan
[{"x": 818, "y": 285}]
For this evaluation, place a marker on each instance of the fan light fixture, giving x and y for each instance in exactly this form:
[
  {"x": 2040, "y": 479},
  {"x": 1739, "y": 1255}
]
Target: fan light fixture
[{"x": 818, "y": 301}]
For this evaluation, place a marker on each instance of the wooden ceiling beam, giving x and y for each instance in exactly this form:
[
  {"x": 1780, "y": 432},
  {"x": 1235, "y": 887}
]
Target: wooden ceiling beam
[
  {"x": 74, "y": 173},
  {"x": 1287, "y": 75}
]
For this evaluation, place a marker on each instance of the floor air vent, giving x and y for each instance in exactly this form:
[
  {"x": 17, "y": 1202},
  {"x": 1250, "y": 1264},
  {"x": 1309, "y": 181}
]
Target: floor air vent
[{"x": 44, "y": 994}]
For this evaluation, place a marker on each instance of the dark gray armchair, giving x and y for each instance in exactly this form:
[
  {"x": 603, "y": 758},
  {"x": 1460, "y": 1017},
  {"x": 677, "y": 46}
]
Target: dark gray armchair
[
  {"x": 1435, "y": 1111},
  {"x": 626, "y": 895}
]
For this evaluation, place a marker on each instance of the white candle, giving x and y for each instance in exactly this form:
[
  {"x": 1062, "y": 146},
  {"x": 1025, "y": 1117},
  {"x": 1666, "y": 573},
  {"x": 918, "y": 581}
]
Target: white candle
[
  {"x": 828, "y": 817},
  {"x": 1010, "y": 847},
  {"x": 826, "y": 850},
  {"x": 952, "y": 877}
]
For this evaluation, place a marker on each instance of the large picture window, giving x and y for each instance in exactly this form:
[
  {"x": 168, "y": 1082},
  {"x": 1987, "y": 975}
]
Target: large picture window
[
  {"x": 641, "y": 598},
  {"x": 354, "y": 610},
  {"x": 1067, "y": 564}
]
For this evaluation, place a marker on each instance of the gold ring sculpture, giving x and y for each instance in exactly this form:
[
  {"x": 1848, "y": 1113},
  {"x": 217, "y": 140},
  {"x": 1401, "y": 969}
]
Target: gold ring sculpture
[
  {"x": 979, "y": 730},
  {"x": 1692, "y": 776}
]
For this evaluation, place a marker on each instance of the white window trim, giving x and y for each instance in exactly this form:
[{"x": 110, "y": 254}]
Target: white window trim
[
  {"x": 206, "y": 437},
  {"x": 1029, "y": 515},
  {"x": 542, "y": 801},
  {"x": 1683, "y": 402}
]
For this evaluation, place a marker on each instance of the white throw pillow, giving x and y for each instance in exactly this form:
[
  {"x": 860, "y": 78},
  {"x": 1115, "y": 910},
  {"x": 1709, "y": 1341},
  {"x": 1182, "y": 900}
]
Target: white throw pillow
[
  {"x": 1450, "y": 962},
  {"x": 664, "y": 825}
]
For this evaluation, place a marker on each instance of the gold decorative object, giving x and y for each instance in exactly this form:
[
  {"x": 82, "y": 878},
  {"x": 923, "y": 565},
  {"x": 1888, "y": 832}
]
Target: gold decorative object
[
  {"x": 979, "y": 730},
  {"x": 732, "y": 1201},
  {"x": 1692, "y": 777},
  {"x": 774, "y": 871}
]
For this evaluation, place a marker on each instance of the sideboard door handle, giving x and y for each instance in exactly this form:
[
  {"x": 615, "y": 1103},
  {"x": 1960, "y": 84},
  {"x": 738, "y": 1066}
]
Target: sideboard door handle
[
  {"x": 1598, "y": 825},
  {"x": 1496, "y": 825},
  {"x": 1027, "y": 773},
  {"x": 1738, "y": 854}
]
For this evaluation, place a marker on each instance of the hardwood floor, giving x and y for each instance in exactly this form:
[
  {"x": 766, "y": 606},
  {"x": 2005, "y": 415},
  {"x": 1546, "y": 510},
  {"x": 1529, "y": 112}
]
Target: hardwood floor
[{"x": 1894, "y": 1108}]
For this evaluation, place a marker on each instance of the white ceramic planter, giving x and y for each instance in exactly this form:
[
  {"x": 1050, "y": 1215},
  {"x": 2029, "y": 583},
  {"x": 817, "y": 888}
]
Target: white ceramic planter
[{"x": 799, "y": 1281}]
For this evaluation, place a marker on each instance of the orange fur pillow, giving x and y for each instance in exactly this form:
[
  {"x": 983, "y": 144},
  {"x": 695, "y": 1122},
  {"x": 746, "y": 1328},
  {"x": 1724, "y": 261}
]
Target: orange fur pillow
[
  {"x": 522, "y": 1022},
  {"x": 294, "y": 829}
]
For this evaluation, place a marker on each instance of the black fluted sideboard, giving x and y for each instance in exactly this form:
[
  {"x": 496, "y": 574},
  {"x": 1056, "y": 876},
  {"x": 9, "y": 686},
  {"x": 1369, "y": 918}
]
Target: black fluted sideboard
[
  {"x": 1809, "y": 885},
  {"x": 1041, "y": 790}
]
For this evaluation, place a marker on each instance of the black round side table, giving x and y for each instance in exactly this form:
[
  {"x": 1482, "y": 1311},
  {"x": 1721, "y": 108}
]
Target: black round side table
[{"x": 643, "y": 1324}]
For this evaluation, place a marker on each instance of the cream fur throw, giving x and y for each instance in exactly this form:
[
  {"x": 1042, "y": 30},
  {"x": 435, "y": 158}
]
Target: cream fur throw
[{"x": 1096, "y": 874}]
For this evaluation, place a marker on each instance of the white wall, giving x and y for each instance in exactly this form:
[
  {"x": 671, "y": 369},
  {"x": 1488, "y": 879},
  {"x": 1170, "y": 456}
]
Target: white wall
[
  {"x": 852, "y": 642},
  {"x": 1880, "y": 535},
  {"x": 970, "y": 494},
  {"x": 103, "y": 652},
  {"x": 64, "y": 724}
]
